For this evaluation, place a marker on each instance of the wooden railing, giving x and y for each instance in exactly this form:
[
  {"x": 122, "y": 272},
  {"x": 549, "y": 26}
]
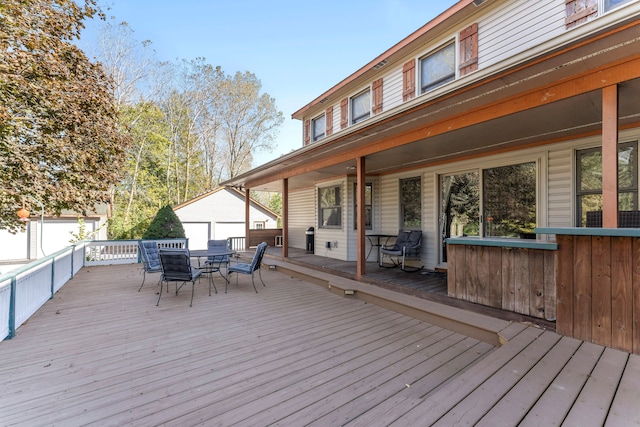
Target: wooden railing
[{"x": 268, "y": 235}]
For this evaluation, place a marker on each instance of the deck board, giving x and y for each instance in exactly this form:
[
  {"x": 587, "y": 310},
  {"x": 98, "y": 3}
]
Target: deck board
[{"x": 100, "y": 353}]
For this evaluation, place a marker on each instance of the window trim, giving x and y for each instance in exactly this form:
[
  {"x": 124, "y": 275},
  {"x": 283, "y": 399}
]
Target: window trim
[
  {"x": 443, "y": 81},
  {"x": 401, "y": 203},
  {"x": 634, "y": 189},
  {"x": 354, "y": 120},
  {"x": 355, "y": 206},
  {"x": 338, "y": 207},
  {"x": 314, "y": 121}
]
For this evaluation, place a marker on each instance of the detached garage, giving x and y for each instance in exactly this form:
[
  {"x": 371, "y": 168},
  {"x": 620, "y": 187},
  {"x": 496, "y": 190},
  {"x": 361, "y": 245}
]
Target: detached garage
[{"x": 219, "y": 214}]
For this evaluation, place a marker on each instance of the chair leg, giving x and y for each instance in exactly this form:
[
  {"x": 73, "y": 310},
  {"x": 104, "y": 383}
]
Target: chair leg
[
  {"x": 144, "y": 276},
  {"x": 160, "y": 296},
  {"x": 193, "y": 288},
  {"x": 260, "y": 275},
  {"x": 253, "y": 283}
]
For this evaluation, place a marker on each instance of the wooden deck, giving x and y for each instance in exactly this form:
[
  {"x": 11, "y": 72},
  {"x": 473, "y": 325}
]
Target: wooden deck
[{"x": 101, "y": 353}]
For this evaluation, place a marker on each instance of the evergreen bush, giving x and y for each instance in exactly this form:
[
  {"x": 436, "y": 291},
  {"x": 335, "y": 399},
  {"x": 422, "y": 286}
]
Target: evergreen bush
[{"x": 165, "y": 225}]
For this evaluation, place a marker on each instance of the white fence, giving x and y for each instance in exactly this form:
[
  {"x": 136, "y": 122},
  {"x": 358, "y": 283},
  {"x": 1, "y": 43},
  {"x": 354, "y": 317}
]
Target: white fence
[{"x": 24, "y": 291}]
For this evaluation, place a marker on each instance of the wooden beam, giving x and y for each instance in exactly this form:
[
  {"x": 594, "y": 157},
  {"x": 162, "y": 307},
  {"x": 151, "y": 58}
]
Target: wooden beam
[
  {"x": 285, "y": 218},
  {"x": 247, "y": 224},
  {"x": 610, "y": 156},
  {"x": 360, "y": 217}
]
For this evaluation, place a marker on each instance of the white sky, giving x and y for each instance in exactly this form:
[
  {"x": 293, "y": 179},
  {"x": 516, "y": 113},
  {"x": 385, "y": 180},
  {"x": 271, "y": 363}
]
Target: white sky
[{"x": 297, "y": 49}]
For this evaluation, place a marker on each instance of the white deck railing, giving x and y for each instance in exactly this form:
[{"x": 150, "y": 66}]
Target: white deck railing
[{"x": 25, "y": 290}]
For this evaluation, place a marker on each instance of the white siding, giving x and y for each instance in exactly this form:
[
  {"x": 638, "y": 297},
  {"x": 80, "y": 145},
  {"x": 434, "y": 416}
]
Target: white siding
[
  {"x": 516, "y": 26},
  {"x": 430, "y": 219},
  {"x": 302, "y": 215},
  {"x": 392, "y": 89}
]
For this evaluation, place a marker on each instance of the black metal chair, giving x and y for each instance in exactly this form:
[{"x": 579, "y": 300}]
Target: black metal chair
[
  {"x": 250, "y": 268},
  {"x": 150, "y": 256},
  {"x": 217, "y": 262},
  {"x": 176, "y": 267},
  {"x": 408, "y": 245}
]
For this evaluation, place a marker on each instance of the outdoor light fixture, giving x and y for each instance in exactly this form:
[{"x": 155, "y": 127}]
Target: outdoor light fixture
[{"x": 24, "y": 213}]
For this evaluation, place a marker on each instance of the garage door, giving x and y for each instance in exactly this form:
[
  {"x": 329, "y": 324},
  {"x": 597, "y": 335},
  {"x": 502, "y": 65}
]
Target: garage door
[{"x": 197, "y": 233}]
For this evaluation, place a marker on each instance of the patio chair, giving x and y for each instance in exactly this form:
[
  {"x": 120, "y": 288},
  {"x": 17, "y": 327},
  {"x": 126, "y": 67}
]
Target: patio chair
[
  {"x": 250, "y": 268},
  {"x": 218, "y": 261},
  {"x": 176, "y": 267},
  {"x": 407, "y": 245},
  {"x": 150, "y": 259}
]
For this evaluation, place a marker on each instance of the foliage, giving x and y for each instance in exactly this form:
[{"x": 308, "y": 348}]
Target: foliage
[
  {"x": 82, "y": 233},
  {"x": 58, "y": 137},
  {"x": 166, "y": 224}
]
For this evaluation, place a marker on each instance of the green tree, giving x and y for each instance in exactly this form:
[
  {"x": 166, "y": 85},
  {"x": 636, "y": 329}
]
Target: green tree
[
  {"x": 59, "y": 141},
  {"x": 166, "y": 224}
]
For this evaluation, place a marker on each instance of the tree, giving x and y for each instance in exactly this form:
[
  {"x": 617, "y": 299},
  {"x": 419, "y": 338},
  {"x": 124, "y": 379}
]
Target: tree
[
  {"x": 59, "y": 141},
  {"x": 165, "y": 225},
  {"x": 248, "y": 121}
]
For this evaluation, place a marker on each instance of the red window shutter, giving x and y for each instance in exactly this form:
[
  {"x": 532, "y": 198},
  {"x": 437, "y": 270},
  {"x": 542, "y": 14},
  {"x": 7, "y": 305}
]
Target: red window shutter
[
  {"x": 409, "y": 80},
  {"x": 468, "y": 49},
  {"x": 579, "y": 11},
  {"x": 328, "y": 118},
  {"x": 307, "y": 136},
  {"x": 344, "y": 113},
  {"x": 377, "y": 96}
]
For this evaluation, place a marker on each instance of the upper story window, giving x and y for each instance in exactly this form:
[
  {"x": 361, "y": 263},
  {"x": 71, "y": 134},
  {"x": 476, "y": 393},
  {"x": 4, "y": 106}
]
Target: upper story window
[
  {"x": 610, "y": 4},
  {"x": 329, "y": 207},
  {"x": 438, "y": 68},
  {"x": 360, "y": 107},
  {"x": 318, "y": 126}
]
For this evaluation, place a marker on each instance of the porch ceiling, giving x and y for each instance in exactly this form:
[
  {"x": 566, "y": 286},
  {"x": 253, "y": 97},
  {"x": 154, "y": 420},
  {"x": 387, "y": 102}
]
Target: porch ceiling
[{"x": 516, "y": 109}]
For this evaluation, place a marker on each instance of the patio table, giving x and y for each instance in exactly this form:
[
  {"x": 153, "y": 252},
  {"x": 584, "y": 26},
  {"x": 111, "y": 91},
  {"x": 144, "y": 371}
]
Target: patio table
[
  {"x": 377, "y": 243},
  {"x": 210, "y": 269}
]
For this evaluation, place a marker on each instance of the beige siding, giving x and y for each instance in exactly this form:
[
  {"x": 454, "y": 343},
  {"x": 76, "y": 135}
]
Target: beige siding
[
  {"x": 430, "y": 219},
  {"x": 514, "y": 27},
  {"x": 560, "y": 193},
  {"x": 301, "y": 216}
]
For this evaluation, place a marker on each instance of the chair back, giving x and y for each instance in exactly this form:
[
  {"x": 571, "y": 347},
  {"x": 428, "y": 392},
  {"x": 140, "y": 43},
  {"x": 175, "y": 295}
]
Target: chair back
[
  {"x": 218, "y": 245},
  {"x": 176, "y": 265},
  {"x": 410, "y": 240},
  {"x": 257, "y": 258},
  {"x": 150, "y": 255}
]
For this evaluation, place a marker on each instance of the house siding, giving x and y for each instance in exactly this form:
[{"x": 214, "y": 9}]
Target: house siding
[
  {"x": 514, "y": 27},
  {"x": 339, "y": 235},
  {"x": 302, "y": 215}
]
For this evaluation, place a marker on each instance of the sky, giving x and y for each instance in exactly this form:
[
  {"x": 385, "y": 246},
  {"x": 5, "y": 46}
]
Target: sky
[{"x": 297, "y": 49}]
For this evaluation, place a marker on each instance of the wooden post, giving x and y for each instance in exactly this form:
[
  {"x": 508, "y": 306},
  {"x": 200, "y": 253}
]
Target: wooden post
[
  {"x": 360, "y": 217},
  {"x": 247, "y": 224},
  {"x": 285, "y": 218},
  {"x": 610, "y": 156}
]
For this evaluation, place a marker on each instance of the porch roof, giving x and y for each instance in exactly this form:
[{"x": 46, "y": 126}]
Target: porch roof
[
  {"x": 550, "y": 98},
  {"x": 102, "y": 353}
]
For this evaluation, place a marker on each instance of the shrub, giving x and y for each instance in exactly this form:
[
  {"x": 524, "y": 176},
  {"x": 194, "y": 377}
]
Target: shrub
[{"x": 165, "y": 225}]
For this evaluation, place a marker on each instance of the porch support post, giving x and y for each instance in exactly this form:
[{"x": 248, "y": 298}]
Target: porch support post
[
  {"x": 247, "y": 224},
  {"x": 285, "y": 218},
  {"x": 360, "y": 217},
  {"x": 610, "y": 156}
]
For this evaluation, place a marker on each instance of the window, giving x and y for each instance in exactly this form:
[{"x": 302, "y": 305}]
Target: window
[
  {"x": 438, "y": 68},
  {"x": 368, "y": 212},
  {"x": 589, "y": 183},
  {"x": 610, "y": 4},
  {"x": 410, "y": 204},
  {"x": 509, "y": 200},
  {"x": 258, "y": 225},
  {"x": 329, "y": 207},
  {"x": 360, "y": 107},
  {"x": 319, "y": 126}
]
